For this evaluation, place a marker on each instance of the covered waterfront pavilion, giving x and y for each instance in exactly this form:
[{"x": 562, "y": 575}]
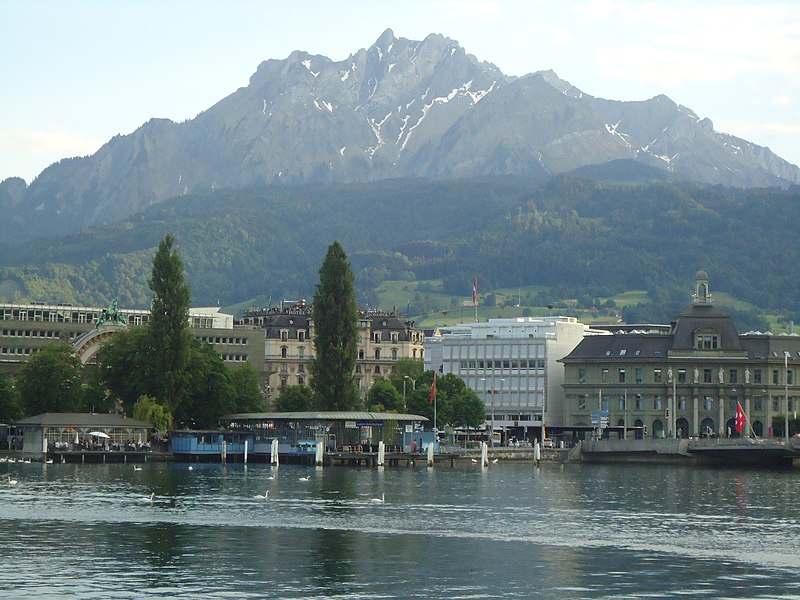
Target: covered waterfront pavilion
[
  {"x": 338, "y": 430},
  {"x": 78, "y": 433}
]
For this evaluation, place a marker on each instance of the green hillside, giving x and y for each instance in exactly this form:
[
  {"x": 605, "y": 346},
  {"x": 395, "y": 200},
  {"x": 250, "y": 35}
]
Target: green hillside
[{"x": 596, "y": 249}]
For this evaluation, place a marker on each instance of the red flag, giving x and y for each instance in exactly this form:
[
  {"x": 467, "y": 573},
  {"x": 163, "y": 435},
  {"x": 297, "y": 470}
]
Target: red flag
[
  {"x": 433, "y": 389},
  {"x": 475, "y": 291},
  {"x": 740, "y": 418}
]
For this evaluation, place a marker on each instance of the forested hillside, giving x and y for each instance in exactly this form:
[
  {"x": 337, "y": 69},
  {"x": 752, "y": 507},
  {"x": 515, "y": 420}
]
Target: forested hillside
[{"x": 572, "y": 235}]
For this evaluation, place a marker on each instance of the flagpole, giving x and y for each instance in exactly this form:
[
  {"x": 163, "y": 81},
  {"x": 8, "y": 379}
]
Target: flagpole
[{"x": 475, "y": 297}]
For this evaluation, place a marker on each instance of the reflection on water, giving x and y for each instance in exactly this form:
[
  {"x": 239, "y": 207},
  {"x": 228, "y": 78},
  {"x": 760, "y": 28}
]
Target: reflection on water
[{"x": 578, "y": 531}]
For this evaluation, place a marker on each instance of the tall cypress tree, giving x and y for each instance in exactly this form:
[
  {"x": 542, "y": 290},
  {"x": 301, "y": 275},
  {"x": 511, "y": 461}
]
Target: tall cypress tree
[
  {"x": 169, "y": 321},
  {"x": 335, "y": 334}
]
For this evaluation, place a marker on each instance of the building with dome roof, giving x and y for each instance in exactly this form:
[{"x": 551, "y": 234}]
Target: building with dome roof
[{"x": 685, "y": 380}]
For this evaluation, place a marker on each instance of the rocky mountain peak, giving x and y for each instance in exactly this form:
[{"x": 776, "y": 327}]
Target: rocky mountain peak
[{"x": 400, "y": 108}]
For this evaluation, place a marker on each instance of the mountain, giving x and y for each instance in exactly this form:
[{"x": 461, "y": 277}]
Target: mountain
[{"x": 400, "y": 108}]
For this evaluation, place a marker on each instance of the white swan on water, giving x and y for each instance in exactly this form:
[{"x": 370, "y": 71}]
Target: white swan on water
[
  {"x": 264, "y": 497},
  {"x": 380, "y": 500},
  {"x": 136, "y": 468},
  {"x": 149, "y": 498},
  {"x": 306, "y": 478},
  {"x": 11, "y": 481}
]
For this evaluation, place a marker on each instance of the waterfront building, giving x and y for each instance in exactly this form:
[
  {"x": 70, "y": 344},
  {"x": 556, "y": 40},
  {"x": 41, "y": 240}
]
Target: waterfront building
[
  {"x": 384, "y": 338},
  {"x": 25, "y": 328},
  {"x": 512, "y": 364},
  {"x": 684, "y": 380},
  {"x": 49, "y": 433}
]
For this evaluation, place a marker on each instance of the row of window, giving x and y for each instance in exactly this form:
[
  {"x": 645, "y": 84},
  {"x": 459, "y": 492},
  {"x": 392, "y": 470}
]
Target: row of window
[
  {"x": 706, "y": 376},
  {"x": 234, "y": 357},
  {"x": 15, "y": 351},
  {"x": 641, "y": 402},
  {"x": 35, "y": 333},
  {"x": 239, "y": 341},
  {"x": 59, "y": 316},
  {"x": 502, "y": 364}
]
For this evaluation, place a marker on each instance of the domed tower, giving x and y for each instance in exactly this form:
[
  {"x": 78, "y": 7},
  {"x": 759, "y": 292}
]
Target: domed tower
[{"x": 702, "y": 295}]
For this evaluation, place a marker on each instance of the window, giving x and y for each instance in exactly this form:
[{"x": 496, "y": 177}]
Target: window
[
  {"x": 706, "y": 341},
  {"x": 301, "y": 380},
  {"x": 582, "y": 402},
  {"x": 638, "y": 403},
  {"x": 775, "y": 377},
  {"x": 638, "y": 375},
  {"x": 581, "y": 375},
  {"x": 706, "y": 375},
  {"x": 790, "y": 376},
  {"x": 756, "y": 375},
  {"x": 301, "y": 352},
  {"x": 377, "y": 353},
  {"x": 708, "y": 403},
  {"x": 733, "y": 376},
  {"x": 622, "y": 402},
  {"x": 377, "y": 337},
  {"x": 284, "y": 351},
  {"x": 622, "y": 375},
  {"x": 656, "y": 402},
  {"x": 394, "y": 353},
  {"x": 681, "y": 375},
  {"x": 656, "y": 375},
  {"x": 301, "y": 335},
  {"x": 758, "y": 403},
  {"x": 604, "y": 376},
  {"x": 284, "y": 336},
  {"x": 681, "y": 402}
]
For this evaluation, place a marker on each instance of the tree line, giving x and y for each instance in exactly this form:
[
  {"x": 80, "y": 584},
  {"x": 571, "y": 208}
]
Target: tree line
[{"x": 161, "y": 373}]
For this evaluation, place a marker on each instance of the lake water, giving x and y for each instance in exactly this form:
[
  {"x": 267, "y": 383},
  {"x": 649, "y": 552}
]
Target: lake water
[{"x": 510, "y": 531}]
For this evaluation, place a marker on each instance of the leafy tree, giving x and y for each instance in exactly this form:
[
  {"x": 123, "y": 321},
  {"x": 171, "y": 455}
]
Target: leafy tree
[
  {"x": 168, "y": 325},
  {"x": 128, "y": 368},
  {"x": 247, "y": 389},
  {"x": 335, "y": 334},
  {"x": 384, "y": 397},
  {"x": 456, "y": 404},
  {"x": 51, "y": 381},
  {"x": 209, "y": 392},
  {"x": 295, "y": 398},
  {"x": 9, "y": 405},
  {"x": 148, "y": 410}
]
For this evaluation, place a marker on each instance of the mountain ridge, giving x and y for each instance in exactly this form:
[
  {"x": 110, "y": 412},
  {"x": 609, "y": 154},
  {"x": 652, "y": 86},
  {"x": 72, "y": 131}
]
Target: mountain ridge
[{"x": 398, "y": 109}]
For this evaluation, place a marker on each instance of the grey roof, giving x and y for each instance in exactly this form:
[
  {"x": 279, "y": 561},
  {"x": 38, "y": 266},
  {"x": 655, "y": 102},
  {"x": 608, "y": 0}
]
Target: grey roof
[
  {"x": 83, "y": 420},
  {"x": 326, "y": 416},
  {"x": 704, "y": 317},
  {"x": 621, "y": 346}
]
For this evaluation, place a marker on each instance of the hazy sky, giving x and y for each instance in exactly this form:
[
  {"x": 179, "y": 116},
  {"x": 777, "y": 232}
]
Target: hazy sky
[{"x": 74, "y": 74}]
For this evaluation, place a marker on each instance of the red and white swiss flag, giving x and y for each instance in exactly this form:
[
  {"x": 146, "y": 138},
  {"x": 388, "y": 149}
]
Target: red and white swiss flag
[{"x": 740, "y": 418}]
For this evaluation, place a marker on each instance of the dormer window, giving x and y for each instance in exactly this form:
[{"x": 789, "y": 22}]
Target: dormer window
[{"x": 706, "y": 340}]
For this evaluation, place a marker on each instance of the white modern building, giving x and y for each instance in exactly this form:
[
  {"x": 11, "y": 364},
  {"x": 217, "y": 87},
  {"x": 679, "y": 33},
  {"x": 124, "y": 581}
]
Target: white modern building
[{"x": 513, "y": 366}]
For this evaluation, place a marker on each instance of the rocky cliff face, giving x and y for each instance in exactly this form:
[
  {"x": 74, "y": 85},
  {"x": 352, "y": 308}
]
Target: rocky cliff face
[{"x": 400, "y": 108}]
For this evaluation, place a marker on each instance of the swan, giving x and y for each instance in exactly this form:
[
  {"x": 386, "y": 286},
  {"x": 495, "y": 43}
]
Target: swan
[
  {"x": 191, "y": 468},
  {"x": 49, "y": 461},
  {"x": 306, "y": 478},
  {"x": 495, "y": 460},
  {"x": 473, "y": 460},
  {"x": 380, "y": 500},
  {"x": 135, "y": 468},
  {"x": 11, "y": 481},
  {"x": 264, "y": 497},
  {"x": 149, "y": 498}
]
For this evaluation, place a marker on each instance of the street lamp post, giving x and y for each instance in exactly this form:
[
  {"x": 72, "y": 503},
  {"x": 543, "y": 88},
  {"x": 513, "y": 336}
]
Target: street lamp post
[
  {"x": 786, "y": 396},
  {"x": 413, "y": 386},
  {"x": 483, "y": 379},
  {"x": 501, "y": 398}
]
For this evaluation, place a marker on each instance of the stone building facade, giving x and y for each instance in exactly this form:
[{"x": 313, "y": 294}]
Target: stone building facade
[
  {"x": 384, "y": 338},
  {"x": 685, "y": 380}
]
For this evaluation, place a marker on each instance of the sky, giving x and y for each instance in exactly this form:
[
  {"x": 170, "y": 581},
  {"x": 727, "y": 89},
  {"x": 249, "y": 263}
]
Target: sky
[{"x": 75, "y": 74}]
